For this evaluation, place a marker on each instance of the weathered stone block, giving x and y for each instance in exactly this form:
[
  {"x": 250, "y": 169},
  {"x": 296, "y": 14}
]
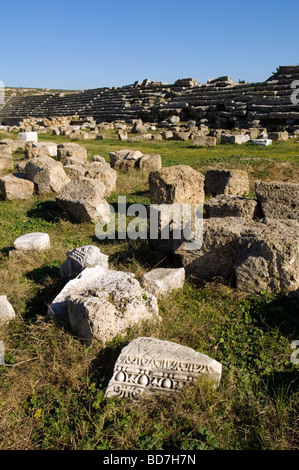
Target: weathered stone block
[
  {"x": 32, "y": 241},
  {"x": 7, "y": 312},
  {"x": 235, "y": 182},
  {"x": 179, "y": 184},
  {"x": 13, "y": 187},
  {"x": 162, "y": 281},
  {"x": 149, "y": 365},
  {"x": 278, "y": 200},
  {"x": 83, "y": 200},
  {"x": 80, "y": 258},
  {"x": 47, "y": 174},
  {"x": 232, "y": 206}
]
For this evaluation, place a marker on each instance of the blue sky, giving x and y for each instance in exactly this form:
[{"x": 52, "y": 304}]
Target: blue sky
[{"x": 77, "y": 45}]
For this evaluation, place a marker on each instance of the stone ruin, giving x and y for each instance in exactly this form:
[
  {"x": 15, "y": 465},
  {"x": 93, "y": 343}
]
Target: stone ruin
[
  {"x": 250, "y": 242},
  {"x": 221, "y": 102}
]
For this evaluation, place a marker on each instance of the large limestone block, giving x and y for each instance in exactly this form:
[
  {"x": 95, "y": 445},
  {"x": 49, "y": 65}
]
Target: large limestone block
[
  {"x": 7, "y": 312},
  {"x": 219, "y": 252},
  {"x": 162, "y": 281},
  {"x": 50, "y": 148},
  {"x": 118, "y": 303},
  {"x": 121, "y": 290},
  {"x": 6, "y": 160},
  {"x": 74, "y": 171},
  {"x": 32, "y": 241},
  {"x": 256, "y": 255},
  {"x": 13, "y": 145},
  {"x": 128, "y": 155},
  {"x": 71, "y": 150},
  {"x": 149, "y": 365},
  {"x": 83, "y": 199},
  {"x": 278, "y": 200},
  {"x": 279, "y": 136},
  {"x": 150, "y": 162},
  {"x": 13, "y": 187},
  {"x": 268, "y": 257},
  {"x": 232, "y": 206},
  {"x": 80, "y": 258},
  {"x": 226, "y": 182},
  {"x": 103, "y": 173},
  {"x": 47, "y": 174},
  {"x": 179, "y": 184},
  {"x": 204, "y": 141}
]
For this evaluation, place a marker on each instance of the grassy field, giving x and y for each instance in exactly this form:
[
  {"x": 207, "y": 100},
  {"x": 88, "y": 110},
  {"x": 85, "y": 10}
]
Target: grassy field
[{"x": 52, "y": 386}]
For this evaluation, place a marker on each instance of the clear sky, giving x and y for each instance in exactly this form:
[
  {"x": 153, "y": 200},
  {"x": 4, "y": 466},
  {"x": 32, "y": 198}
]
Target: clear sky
[{"x": 94, "y": 43}]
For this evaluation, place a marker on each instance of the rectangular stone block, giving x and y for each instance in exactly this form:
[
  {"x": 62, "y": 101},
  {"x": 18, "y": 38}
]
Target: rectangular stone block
[{"x": 28, "y": 136}]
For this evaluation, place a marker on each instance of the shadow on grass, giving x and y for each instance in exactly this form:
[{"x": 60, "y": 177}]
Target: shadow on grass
[
  {"x": 46, "y": 210},
  {"x": 280, "y": 313},
  {"x": 48, "y": 278}
]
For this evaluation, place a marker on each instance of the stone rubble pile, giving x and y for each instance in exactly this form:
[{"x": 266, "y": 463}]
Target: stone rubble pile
[{"x": 252, "y": 242}]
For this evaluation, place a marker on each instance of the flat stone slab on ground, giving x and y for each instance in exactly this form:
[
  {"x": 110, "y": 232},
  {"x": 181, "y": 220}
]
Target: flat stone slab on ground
[
  {"x": 264, "y": 142},
  {"x": 149, "y": 365},
  {"x": 32, "y": 241}
]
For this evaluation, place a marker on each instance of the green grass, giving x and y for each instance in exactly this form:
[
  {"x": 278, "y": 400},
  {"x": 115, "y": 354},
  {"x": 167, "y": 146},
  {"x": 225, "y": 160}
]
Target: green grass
[
  {"x": 279, "y": 161},
  {"x": 52, "y": 386}
]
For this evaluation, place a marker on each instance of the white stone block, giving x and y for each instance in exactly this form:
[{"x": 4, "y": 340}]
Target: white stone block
[
  {"x": 32, "y": 241},
  {"x": 28, "y": 136},
  {"x": 264, "y": 142}
]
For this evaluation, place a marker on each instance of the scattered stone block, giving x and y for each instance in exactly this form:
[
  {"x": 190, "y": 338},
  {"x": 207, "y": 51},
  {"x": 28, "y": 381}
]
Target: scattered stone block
[
  {"x": 204, "y": 141},
  {"x": 102, "y": 173},
  {"x": 80, "y": 258},
  {"x": 49, "y": 148},
  {"x": 231, "y": 247},
  {"x": 116, "y": 304},
  {"x": 7, "y": 312},
  {"x": 150, "y": 162},
  {"x": 232, "y": 206},
  {"x": 118, "y": 298},
  {"x": 83, "y": 199},
  {"x": 149, "y": 365},
  {"x": 130, "y": 156},
  {"x": 234, "y": 182},
  {"x": 13, "y": 187},
  {"x": 162, "y": 281},
  {"x": 278, "y": 200},
  {"x": 28, "y": 136},
  {"x": 179, "y": 184},
  {"x": 47, "y": 174},
  {"x": 32, "y": 241},
  {"x": 6, "y": 160},
  {"x": 72, "y": 150},
  {"x": 279, "y": 136},
  {"x": 263, "y": 142}
]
